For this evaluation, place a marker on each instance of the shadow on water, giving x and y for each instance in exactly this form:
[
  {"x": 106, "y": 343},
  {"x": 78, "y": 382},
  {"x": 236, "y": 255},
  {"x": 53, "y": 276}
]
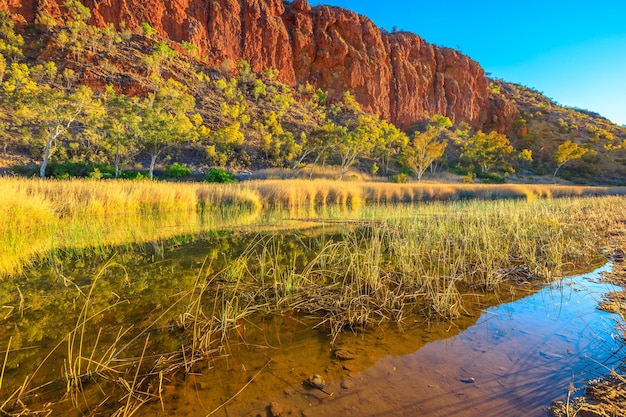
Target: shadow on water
[{"x": 512, "y": 359}]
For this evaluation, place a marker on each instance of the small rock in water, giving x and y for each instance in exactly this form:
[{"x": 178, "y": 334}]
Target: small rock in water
[
  {"x": 276, "y": 409},
  {"x": 316, "y": 381},
  {"x": 468, "y": 380},
  {"x": 347, "y": 384},
  {"x": 344, "y": 354}
]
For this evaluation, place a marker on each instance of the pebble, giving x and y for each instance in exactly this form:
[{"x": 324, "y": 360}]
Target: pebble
[
  {"x": 276, "y": 409},
  {"x": 344, "y": 354},
  {"x": 316, "y": 381},
  {"x": 347, "y": 384},
  {"x": 468, "y": 380}
]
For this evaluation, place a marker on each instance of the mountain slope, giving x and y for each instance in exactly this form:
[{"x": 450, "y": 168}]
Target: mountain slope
[{"x": 544, "y": 125}]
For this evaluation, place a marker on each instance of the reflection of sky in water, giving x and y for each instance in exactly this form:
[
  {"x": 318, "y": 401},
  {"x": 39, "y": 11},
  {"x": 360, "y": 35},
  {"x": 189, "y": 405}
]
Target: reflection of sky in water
[
  {"x": 561, "y": 323},
  {"x": 521, "y": 355},
  {"x": 516, "y": 360}
]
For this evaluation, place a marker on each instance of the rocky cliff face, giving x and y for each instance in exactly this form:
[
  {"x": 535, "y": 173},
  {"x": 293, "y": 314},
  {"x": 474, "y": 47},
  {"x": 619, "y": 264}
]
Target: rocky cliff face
[{"x": 399, "y": 75}]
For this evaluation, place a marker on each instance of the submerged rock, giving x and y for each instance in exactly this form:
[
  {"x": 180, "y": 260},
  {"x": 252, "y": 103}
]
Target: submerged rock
[
  {"x": 276, "y": 409},
  {"x": 316, "y": 381},
  {"x": 344, "y": 355}
]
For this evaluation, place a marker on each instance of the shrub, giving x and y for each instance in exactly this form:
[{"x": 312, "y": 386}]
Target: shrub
[
  {"x": 469, "y": 178},
  {"x": 129, "y": 175},
  {"x": 491, "y": 178},
  {"x": 400, "y": 178},
  {"x": 177, "y": 171},
  {"x": 219, "y": 176}
]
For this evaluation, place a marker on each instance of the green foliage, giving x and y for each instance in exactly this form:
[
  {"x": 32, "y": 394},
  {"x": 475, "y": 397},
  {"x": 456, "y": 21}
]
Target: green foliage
[
  {"x": 270, "y": 73},
  {"x": 134, "y": 175},
  {"x": 321, "y": 96},
  {"x": 468, "y": 178},
  {"x": 423, "y": 150},
  {"x": 279, "y": 146},
  {"x": 492, "y": 178},
  {"x": 441, "y": 121},
  {"x": 78, "y": 169},
  {"x": 487, "y": 152},
  {"x": 245, "y": 71},
  {"x": 166, "y": 120},
  {"x": 163, "y": 49},
  {"x": 219, "y": 176},
  {"x": 519, "y": 122},
  {"x": 190, "y": 48},
  {"x": 567, "y": 152},
  {"x": 253, "y": 118},
  {"x": 400, "y": 178},
  {"x": 10, "y": 43},
  {"x": 350, "y": 102},
  {"x": 148, "y": 30},
  {"x": 177, "y": 171}
]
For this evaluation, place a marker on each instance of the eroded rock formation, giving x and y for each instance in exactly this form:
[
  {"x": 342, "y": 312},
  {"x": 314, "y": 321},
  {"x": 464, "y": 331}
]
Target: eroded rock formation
[{"x": 397, "y": 75}]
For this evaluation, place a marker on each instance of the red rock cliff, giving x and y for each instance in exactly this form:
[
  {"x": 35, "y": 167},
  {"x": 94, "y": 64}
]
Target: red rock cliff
[{"x": 399, "y": 75}]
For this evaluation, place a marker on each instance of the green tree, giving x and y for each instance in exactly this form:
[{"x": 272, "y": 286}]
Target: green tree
[
  {"x": 423, "y": 150},
  {"x": 278, "y": 145},
  {"x": 567, "y": 152},
  {"x": 10, "y": 43},
  {"x": 161, "y": 55},
  {"x": 60, "y": 111},
  {"x": 119, "y": 128},
  {"x": 319, "y": 142},
  {"x": 166, "y": 120},
  {"x": 147, "y": 30},
  {"x": 488, "y": 152},
  {"x": 46, "y": 112},
  {"x": 390, "y": 143},
  {"x": 359, "y": 142},
  {"x": 224, "y": 143}
]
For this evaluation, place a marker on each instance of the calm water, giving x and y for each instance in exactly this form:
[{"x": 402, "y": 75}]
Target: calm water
[{"x": 508, "y": 359}]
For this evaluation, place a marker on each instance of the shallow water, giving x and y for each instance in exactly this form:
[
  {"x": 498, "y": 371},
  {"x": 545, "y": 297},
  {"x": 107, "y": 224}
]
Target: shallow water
[{"x": 513, "y": 359}]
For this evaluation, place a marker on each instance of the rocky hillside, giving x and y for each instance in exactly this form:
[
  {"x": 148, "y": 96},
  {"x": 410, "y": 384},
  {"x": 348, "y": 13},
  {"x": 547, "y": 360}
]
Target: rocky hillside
[
  {"x": 544, "y": 125},
  {"x": 264, "y": 83},
  {"x": 396, "y": 75}
]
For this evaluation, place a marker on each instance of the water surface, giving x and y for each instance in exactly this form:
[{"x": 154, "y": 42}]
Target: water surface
[{"x": 508, "y": 356}]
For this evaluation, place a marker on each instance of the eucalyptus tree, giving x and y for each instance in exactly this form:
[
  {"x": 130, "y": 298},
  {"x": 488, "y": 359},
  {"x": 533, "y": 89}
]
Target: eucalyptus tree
[
  {"x": 167, "y": 119},
  {"x": 359, "y": 142},
  {"x": 566, "y": 152},
  {"x": 45, "y": 111},
  {"x": 488, "y": 151},
  {"x": 319, "y": 141},
  {"x": 423, "y": 150},
  {"x": 119, "y": 128}
]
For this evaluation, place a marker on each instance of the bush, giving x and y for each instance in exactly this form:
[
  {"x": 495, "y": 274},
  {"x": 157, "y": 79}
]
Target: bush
[
  {"x": 469, "y": 178},
  {"x": 400, "y": 178},
  {"x": 219, "y": 176},
  {"x": 129, "y": 175},
  {"x": 69, "y": 169},
  {"x": 491, "y": 178},
  {"x": 177, "y": 171}
]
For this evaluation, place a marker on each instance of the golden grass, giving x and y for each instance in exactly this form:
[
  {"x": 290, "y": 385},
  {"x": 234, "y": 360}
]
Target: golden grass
[{"x": 41, "y": 215}]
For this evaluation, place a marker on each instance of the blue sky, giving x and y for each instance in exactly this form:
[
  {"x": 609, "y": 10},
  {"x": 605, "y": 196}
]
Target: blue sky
[{"x": 572, "y": 51}]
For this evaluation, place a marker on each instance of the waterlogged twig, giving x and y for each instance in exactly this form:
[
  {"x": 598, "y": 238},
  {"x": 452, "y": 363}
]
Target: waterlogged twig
[
  {"x": 6, "y": 356},
  {"x": 240, "y": 391}
]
